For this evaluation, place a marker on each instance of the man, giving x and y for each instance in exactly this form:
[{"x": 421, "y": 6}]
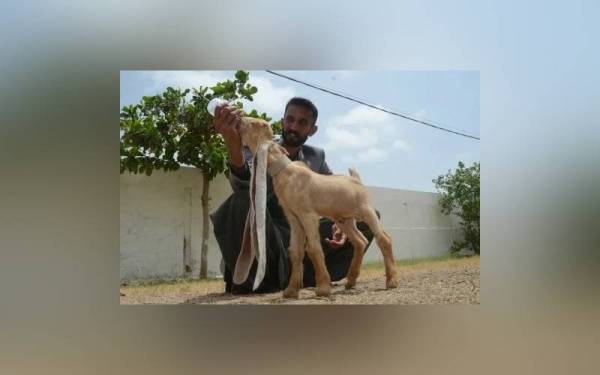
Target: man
[{"x": 299, "y": 123}]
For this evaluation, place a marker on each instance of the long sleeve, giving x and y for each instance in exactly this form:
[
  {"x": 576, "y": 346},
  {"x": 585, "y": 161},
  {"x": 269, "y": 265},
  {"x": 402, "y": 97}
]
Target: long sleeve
[{"x": 239, "y": 178}]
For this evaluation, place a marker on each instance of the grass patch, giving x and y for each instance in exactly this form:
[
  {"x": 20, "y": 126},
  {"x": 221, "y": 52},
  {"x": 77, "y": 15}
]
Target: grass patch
[
  {"x": 162, "y": 291},
  {"x": 415, "y": 261},
  {"x": 421, "y": 264},
  {"x": 177, "y": 281}
]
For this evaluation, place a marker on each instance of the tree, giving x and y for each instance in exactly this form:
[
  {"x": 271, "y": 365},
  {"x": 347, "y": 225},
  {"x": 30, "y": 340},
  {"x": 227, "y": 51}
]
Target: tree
[
  {"x": 168, "y": 130},
  {"x": 459, "y": 195}
]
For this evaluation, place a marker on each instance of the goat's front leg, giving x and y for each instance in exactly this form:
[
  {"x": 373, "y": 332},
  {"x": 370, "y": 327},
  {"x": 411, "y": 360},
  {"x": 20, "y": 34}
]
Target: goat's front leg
[
  {"x": 359, "y": 242},
  {"x": 296, "y": 251}
]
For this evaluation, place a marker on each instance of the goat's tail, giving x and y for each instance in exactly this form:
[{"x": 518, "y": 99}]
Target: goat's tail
[{"x": 354, "y": 173}]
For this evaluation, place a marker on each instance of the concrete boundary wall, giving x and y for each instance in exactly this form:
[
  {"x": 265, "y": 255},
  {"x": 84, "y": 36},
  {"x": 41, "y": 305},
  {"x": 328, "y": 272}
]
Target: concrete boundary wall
[
  {"x": 415, "y": 223},
  {"x": 161, "y": 218}
]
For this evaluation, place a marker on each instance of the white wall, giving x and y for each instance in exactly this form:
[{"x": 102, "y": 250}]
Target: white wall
[
  {"x": 415, "y": 223},
  {"x": 157, "y": 211}
]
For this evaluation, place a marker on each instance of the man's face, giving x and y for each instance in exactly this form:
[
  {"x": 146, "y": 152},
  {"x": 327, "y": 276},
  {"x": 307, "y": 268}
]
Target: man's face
[{"x": 298, "y": 125}]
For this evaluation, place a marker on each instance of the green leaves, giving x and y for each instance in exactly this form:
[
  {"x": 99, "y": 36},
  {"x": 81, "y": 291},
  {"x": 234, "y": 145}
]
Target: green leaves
[
  {"x": 255, "y": 114},
  {"x": 168, "y": 130},
  {"x": 277, "y": 127},
  {"x": 242, "y": 76},
  {"x": 459, "y": 195}
]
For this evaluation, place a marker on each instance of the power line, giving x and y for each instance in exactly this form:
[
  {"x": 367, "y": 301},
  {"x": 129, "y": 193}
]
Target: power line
[{"x": 373, "y": 106}]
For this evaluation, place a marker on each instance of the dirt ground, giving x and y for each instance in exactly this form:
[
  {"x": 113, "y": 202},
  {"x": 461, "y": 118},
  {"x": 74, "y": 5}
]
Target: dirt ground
[{"x": 449, "y": 281}]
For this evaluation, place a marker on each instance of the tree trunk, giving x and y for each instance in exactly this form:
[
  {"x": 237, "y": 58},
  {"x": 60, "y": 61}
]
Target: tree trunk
[
  {"x": 187, "y": 234},
  {"x": 205, "y": 226}
]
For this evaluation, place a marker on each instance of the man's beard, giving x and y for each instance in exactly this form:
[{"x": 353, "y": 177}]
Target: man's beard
[{"x": 293, "y": 139}]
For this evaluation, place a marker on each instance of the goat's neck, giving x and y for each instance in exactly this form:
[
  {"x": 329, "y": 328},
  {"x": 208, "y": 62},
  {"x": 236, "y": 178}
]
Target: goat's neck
[
  {"x": 274, "y": 153},
  {"x": 277, "y": 160}
]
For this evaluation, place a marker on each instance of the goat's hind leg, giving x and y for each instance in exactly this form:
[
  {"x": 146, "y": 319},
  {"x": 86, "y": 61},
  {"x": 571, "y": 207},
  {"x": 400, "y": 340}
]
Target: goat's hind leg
[
  {"x": 384, "y": 241},
  {"x": 315, "y": 252}
]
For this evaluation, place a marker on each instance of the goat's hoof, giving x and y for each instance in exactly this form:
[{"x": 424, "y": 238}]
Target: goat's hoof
[
  {"x": 290, "y": 293},
  {"x": 323, "y": 291},
  {"x": 391, "y": 284},
  {"x": 350, "y": 285}
]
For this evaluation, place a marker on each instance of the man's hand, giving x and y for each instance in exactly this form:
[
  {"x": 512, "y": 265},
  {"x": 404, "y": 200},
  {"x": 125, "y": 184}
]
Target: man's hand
[
  {"x": 338, "y": 238},
  {"x": 226, "y": 122}
]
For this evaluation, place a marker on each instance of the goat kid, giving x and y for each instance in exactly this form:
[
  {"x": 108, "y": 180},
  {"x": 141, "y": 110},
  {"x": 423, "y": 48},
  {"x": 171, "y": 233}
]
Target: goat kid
[{"x": 305, "y": 196}]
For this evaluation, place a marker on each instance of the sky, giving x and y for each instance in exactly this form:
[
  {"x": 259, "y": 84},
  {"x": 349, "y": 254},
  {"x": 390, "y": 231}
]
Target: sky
[{"x": 387, "y": 150}]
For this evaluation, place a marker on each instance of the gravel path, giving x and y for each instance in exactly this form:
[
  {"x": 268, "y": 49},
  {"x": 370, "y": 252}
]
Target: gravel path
[{"x": 457, "y": 284}]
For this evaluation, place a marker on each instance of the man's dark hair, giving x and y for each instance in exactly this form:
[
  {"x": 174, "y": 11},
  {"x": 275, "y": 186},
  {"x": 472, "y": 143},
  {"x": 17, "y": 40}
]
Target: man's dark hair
[{"x": 302, "y": 102}]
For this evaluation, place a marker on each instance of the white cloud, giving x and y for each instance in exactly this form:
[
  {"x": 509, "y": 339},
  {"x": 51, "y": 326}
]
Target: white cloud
[
  {"x": 420, "y": 115},
  {"x": 269, "y": 98},
  {"x": 345, "y": 138},
  {"x": 371, "y": 154},
  {"x": 186, "y": 79},
  {"x": 363, "y": 115},
  {"x": 363, "y": 134},
  {"x": 401, "y": 144}
]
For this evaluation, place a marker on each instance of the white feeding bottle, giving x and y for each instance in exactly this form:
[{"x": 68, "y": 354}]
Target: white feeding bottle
[{"x": 212, "y": 105}]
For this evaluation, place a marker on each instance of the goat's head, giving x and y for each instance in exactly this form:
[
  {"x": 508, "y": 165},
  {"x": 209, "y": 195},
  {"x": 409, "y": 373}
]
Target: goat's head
[{"x": 254, "y": 131}]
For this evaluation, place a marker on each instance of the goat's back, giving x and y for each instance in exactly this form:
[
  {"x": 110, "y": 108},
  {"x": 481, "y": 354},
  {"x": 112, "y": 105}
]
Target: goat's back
[{"x": 335, "y": 196}]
